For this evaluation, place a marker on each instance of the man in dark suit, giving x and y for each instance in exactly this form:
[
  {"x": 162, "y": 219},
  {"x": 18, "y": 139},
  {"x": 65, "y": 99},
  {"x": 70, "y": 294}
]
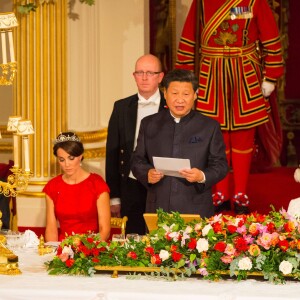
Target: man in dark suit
[
  {"x": 128, "y": 196},
  {"x": 180, "y": 132}
]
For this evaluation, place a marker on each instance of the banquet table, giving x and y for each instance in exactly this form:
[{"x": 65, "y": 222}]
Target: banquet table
[{"x": 35, "y": 283}]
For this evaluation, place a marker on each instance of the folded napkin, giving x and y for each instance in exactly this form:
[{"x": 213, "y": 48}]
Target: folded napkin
[
  {"x": 31, "y": 239},
  {"x": 294, "y": 208}
]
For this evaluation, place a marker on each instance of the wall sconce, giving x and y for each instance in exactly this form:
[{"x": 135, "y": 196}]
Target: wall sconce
[
  {"x": 18, "y": 180},
  {"x": 8, "y": 64}
]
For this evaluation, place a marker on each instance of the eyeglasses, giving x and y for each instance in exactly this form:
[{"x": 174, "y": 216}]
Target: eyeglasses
[{"x": 147, "y": 73}]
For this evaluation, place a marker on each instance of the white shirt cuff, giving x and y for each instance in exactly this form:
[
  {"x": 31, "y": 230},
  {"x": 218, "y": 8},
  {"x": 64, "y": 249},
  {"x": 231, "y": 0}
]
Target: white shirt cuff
[
  {"x": 115, "y": 201},
  {"x": 204, "y": 178}
]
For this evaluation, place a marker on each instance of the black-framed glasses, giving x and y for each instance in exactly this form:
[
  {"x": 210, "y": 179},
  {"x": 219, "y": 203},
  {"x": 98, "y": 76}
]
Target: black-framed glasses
[{"x": 147, "y": 73}]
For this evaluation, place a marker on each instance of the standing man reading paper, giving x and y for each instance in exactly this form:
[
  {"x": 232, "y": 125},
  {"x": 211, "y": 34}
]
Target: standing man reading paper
[{"x": 180, "y": 132}]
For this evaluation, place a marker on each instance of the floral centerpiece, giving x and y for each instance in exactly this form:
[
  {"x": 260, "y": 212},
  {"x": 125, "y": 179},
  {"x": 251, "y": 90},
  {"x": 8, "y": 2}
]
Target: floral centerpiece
[{"x": 241, "y": 246}]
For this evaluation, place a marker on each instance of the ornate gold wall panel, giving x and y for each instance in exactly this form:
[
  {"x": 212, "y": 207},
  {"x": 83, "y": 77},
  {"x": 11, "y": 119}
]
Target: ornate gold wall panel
[{"x": 41, "y": 86}]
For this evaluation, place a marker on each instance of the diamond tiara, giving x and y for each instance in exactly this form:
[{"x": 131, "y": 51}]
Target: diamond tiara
[{"x": 66, "y": 138}]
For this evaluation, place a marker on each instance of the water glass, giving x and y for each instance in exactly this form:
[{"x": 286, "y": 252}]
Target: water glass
[
  {"x": 118, "y": 238},
  {"x": 132, "y": 237},
  {"x": 15, "y": 240}
]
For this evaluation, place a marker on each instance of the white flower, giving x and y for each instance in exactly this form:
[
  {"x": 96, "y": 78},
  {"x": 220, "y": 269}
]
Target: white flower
[
  {"x": 68, "y": 250},
  {"x": 164, "y": 254},
  {"x": 245, "y": 264},
  {"x": 174, "y": 235},
  {"x": 198, "y": 226},
  {"x": 202, "y": 245},
  {"x": 188, "y": 229},
  {"x": 297, "y": 175},
  {"x": 206, "y": 229},
  {"x": 285, "y": 267}
]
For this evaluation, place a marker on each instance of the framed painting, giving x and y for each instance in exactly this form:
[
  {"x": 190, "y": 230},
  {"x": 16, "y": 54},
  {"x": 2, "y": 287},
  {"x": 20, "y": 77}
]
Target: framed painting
[{"x": 163, "y": 31}]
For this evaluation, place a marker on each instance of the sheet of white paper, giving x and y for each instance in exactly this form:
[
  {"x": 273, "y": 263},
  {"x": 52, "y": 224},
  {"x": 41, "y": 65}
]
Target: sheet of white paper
[{"x": 170, "y": 166}]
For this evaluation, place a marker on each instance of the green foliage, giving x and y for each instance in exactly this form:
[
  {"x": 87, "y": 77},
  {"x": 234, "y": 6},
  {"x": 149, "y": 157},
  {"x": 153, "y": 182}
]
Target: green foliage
[
  {"x": 32, "y": 6},
  {"x": 88, "y": 2},
  {"x": 26, "y": 8}
]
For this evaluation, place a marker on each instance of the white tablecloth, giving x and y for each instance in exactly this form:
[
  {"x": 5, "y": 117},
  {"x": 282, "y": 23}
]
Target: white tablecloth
[{"x": 35, "y": 283}]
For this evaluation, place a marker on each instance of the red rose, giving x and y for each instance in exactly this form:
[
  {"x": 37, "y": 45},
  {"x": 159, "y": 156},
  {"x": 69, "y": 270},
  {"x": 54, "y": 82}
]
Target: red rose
[
  {"x": 283, "y": 245},
  {"x": 59, "y": 250},
  {"x": 95, "y": 251},
  {"x": 149, "y": 250},
  {"x": 241, "y": 223},
  {"x": 95, "y": 259},
  {"x": 260, "y": 218},
  {"x": 70, "y": 262},
  {"x": 192, "y": 243},
  {"x": 240, "y": 244},
  {"x": 176, "y": 256},
  {"x": 231, "y": 228},
  {"x": 217, "y": 227},
  {"x": 289, "y": 226},
  {"x": 90, "y": 240},
  {"x": 155, "y": 259},
  {"x": 84, "y": 250},
  {"x": 132, "y": 255},
  {"x": 173, "y": 248},
  {"x": 168, "y": 238},
  {"x": 271, "y": 227},
  {"x": 220, "y": 246}
]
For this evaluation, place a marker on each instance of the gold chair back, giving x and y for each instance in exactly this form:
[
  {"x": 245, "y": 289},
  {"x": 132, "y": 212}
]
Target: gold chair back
[{"x": 119, "y": 223}]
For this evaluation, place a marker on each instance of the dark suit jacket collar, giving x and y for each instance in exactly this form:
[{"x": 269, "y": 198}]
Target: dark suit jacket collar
[{"x": 185, "y": 118}]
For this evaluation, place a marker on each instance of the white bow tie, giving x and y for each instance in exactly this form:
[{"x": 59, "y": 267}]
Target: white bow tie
[{"x": 144, "y": 102}]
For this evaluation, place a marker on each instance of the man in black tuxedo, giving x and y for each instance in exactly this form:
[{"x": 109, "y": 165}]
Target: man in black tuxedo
[
  {"x": 180, "y": 132},
  {"x": 128, "y": 196}
]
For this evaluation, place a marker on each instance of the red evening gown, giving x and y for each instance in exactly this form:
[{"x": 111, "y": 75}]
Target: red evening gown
[{"x": 75, "y": 204}]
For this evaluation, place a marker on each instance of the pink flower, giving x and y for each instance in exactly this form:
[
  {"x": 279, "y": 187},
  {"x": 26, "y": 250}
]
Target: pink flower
[
  {"x": 230, "y": 250},
  {"x": 63, "y": 257},
  {"x": 202, "y": 271},
  {"x": 226, "y": 259},
  {"x": 265, "y": 240}
]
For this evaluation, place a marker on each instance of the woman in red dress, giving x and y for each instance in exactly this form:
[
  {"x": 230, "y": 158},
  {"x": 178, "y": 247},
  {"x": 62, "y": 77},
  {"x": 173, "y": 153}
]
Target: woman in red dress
[{"x": 76, "y": 200}]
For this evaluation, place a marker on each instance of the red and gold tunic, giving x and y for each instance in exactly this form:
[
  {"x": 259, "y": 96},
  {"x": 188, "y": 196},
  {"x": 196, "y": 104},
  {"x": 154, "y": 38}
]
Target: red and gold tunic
[{"x": 240, "y": 47}]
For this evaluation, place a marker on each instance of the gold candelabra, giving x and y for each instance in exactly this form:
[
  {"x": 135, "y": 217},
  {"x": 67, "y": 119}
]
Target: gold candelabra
[{"x": 18, "y": 180}]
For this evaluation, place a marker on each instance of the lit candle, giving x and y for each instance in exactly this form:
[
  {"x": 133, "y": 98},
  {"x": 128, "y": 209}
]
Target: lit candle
[
  {"x": 3, "y": 41},
  {"x": 26, "y": 153},
  {"x": 16, "y": 150},
  {"x": 11, "y": 46}
]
